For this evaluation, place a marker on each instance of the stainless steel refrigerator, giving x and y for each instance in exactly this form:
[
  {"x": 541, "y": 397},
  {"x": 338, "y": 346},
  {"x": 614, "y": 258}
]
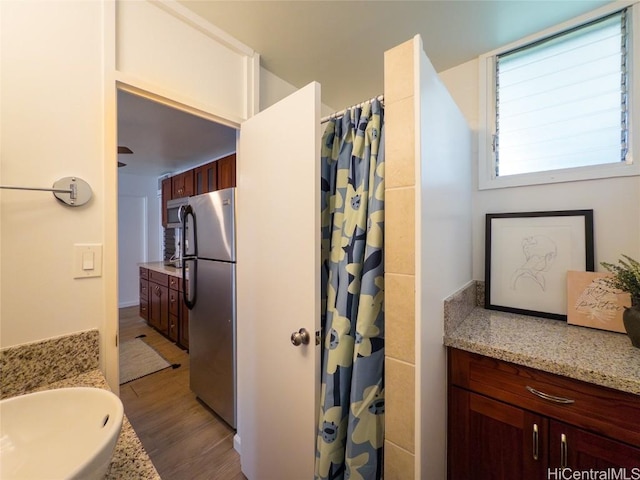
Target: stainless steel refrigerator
[{"x": 209, "y": 256}]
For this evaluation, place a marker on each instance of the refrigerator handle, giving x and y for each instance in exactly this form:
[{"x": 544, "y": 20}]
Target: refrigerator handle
[
  {"x": 186, "y": 212},
  {"x": 189, "y": 300}
]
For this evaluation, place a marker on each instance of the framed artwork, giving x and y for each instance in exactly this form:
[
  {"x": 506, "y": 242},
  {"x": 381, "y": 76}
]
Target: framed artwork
[
  {"x": 528, "y": 255},
  {"x": 592, "y": 303}
]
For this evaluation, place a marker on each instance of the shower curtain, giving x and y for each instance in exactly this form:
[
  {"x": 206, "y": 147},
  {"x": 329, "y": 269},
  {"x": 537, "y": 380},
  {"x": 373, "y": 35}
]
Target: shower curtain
[{"x": 351, "y": 418}]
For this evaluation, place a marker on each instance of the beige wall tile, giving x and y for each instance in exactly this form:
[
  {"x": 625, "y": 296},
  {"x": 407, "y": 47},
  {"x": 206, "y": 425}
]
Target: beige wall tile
[
  {"x": 400, "y": 403},
  {"x": 400, "y": 144},
  {"x": 398, "y": 72},
  {"x": 399, "y": 300},
  {"x": 398, "y": 463},
  {"x": 399, "y": 231}
]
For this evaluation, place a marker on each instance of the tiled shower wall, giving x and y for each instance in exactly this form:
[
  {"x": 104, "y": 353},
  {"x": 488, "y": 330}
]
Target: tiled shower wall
[{"x": 400, "y": 279}]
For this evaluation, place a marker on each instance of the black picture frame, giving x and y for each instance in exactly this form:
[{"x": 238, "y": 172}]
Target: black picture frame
[{"x": 527, "y": 256}]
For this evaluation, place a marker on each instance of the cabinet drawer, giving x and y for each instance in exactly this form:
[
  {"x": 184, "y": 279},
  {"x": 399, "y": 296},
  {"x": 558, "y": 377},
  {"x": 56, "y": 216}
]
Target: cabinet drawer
[
  {"x": 144, "y": 308},
  {"x": 602, "y": 410},
  {"x": 174, "y": 282},
  {"x": 174, "y": 302},
  {"x": 144, "y": 272},
  {"x": 144, "y": 288},
  {"x": 173, "y": 328},
  {"x": 159, "y": 278}
]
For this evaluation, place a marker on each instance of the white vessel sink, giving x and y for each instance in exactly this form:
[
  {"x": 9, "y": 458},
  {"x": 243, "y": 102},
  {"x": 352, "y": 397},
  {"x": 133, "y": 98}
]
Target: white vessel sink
[{"x": 66, "y": 433}]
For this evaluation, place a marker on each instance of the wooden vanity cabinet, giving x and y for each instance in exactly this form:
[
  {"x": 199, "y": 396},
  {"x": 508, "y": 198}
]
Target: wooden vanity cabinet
[
  {"x": 159, "y": 301},
  {"x": 499, "y": 429},
  {"x": 587, "y": 450},
  {"x": 489, "y": 439}
]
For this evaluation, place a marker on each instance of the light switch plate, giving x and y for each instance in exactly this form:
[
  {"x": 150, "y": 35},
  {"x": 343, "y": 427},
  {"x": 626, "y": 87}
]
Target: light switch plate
[{"x": 82, "y": 252}]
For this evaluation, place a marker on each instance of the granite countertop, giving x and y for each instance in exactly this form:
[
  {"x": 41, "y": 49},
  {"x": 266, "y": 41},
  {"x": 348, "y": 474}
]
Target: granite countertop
[
  {"x": 130, "y": 460},
  {"x": 595, "y": 356}
]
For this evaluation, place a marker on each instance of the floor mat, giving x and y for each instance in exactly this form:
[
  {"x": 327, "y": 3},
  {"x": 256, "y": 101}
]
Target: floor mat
[{"x": 137, "y": 359}]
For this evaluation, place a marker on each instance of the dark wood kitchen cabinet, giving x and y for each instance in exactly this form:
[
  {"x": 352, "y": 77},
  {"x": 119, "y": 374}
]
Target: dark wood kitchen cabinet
[
  {"x": 206, "y": 178},
  {"x": 500, "y": 429},
  {"x": 182, "y": 184},
  {"x": 166, "y": 196},
  {"x": 226, "y": 172},
  {"x": 174, "y": 311},
  {"x": 162, "y": 305},
  {"x": 183, "y": 319},
  {"x": 159, "y": 301},
  {"x": 178, "y": 314},
  {"x": 144, "y": 293}
]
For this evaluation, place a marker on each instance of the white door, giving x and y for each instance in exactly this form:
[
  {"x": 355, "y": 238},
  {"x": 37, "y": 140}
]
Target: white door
[{"x": 278, "y": 286}]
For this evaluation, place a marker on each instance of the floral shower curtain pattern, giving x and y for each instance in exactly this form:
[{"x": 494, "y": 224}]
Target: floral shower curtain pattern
[{"x": 351, "y": 421}]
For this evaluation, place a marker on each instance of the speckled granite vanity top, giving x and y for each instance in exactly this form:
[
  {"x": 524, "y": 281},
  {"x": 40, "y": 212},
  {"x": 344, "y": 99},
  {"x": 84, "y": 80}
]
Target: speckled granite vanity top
[
  {"x": 72, "y": 361},
  {"x": 602, "y": 358},
  {"x": 595, "y": 356},
  {"x": 130, "y": 460}
]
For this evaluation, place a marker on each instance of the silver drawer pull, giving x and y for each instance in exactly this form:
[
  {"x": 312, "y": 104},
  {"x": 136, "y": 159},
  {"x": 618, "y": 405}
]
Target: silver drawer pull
[
  {"x": 564, "y": 451},
  {"x": 551, "y": 398}
]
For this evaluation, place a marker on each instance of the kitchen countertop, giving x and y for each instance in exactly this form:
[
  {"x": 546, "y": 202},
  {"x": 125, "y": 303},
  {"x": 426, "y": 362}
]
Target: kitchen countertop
[
  {"x": 162, "y": 268},
  {"x": 130, "y": 460},
  {"x": 595, "y": 356}
]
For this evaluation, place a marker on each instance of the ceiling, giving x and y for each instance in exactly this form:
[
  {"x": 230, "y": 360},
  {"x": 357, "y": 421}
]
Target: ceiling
[
  {"x": 341, "y": 43},
  {"x": 165, "y": 140},
  {"x": 337, "y": 43}
]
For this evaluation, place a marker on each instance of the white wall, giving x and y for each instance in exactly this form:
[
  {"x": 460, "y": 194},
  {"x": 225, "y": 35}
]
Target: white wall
[
  {"x": 443, "y": 214},
  {"x": 130, "y": 189},
  {"x": 615, "y": 201},
  {"x": 169, "y": 49},
  {"x": 52, "y": 126},
  {"x": 274, "y": 89},
  {"x": 58, "y": 108}
]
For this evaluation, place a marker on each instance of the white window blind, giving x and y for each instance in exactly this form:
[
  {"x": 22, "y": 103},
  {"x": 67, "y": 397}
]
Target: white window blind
[{"x": 562, "y": 102}]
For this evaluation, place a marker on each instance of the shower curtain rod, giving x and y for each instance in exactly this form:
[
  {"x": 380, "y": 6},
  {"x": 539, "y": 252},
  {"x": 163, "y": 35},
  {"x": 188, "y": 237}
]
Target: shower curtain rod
[{"x": 342, "y": 112}]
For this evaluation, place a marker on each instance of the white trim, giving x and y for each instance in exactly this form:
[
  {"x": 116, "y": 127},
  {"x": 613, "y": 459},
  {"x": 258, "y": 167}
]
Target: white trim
[
  {"x": 110, "y": 329},
  {"x": 252, "y": 87},
  {"x": 132, "y": 303},
  {"x": 486, "y": 64},
  {"x": 135, "y": 85},
  {"x": 587, "y": 17},
  {"x": 192, "y": 19},
  {"x": 417, "y": 243},
  {"x": 237, "y": 444}
]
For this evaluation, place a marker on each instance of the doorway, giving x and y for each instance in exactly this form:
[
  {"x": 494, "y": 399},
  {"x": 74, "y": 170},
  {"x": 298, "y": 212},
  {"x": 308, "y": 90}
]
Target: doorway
[{"x": 178, "y": 431}]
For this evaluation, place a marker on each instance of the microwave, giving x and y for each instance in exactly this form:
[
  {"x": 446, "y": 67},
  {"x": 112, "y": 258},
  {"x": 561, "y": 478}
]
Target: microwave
[{"x": 174, "y": 211}]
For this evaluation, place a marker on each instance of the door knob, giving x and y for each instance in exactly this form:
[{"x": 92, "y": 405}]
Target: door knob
[{"x": 301, "y": 337}]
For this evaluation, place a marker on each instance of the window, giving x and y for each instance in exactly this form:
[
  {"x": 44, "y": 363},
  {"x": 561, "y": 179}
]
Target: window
[{"x": 559, "y": 108}]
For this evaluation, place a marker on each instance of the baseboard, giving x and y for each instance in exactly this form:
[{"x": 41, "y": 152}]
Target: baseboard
[
  {"x": 132, "y": 303},
  {"x": 236, "y": 444}
]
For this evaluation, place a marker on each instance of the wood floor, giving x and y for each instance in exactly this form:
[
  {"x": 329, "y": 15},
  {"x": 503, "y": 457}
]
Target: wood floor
[{"x": 185, "y": 440}]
